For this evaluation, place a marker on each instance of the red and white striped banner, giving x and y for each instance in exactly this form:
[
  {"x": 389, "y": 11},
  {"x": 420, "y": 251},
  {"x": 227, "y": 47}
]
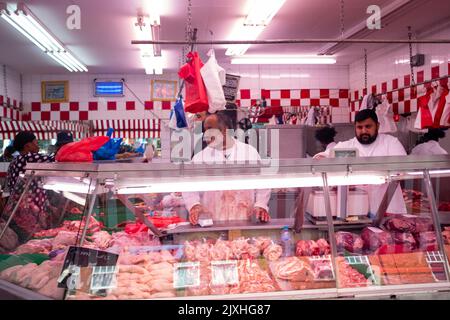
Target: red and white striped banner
[
  {"x": 44, "y": 130},
  {"x": 132, "y": 129}
]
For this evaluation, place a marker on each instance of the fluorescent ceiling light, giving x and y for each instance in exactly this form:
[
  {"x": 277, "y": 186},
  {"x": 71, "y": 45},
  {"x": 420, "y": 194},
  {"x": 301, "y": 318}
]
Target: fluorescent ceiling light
[
  {"x": 260, "y": 14},
  {"x": 148, "y": 29},
  {"x": 28, "y": 25},
  {"x": 283, "y": 60},
  {"x": 402, "y": 61},
  {"x": 240, "y": 183}
]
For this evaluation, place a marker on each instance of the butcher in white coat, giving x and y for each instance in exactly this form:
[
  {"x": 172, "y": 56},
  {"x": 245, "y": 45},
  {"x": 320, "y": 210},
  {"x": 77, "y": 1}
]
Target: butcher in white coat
[
  {"x": 429, "y": 144},
  {"x": 226, "y": 205},
  {"x": 370, "y": 143}
]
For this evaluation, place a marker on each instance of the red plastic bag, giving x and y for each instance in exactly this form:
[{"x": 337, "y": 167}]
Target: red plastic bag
[
  {"x": 424, "y": 117},
  {"x": 158, "y": 222},
  {"x": 164, "y": 222},
  {"x": 137, "y": 227},
  {"x": 81, "y": 151},
  {"x": 196, "y": 96}
]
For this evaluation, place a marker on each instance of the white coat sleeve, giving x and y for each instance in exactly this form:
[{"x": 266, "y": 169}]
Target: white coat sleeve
[
  {"x": 327, "y": 152},
  {"x": 396, "y": 148}
]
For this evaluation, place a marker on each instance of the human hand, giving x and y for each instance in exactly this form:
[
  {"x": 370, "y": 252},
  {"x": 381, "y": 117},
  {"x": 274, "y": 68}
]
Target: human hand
[
  {"x": 319, "y": 156},
  {"x": 261, "y": 214}
]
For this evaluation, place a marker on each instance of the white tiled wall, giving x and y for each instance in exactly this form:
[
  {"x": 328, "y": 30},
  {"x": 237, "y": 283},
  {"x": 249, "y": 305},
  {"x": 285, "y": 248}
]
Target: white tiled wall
[
  {"x": 382, "y": 67},
  {"x": 340, "y": 115},
  {"x": 81, "y": 87},
  {"x": 290, "y": 77}
]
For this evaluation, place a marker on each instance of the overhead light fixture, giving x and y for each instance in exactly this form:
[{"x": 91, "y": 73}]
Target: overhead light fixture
[
  {"x": 260, "y": 14},
  {"x": 283, "y": 60},
  {"x": 155, "y": 24},
  {"x": 402, "y": 61},
  {"x": 148, "y": 29},
  {"x": 391, "y": 13},
  {"x": 24, "y": 21}
]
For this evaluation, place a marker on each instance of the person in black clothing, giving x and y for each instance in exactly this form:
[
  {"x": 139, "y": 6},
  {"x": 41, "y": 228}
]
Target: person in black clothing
[
  {"x": 7, "y": 154},
  {"x": 326, "y": 136},
  {"x": 32, "y": 215},
  {"x": 63, "y": 138},
  {"x": 26, "y": 143}
]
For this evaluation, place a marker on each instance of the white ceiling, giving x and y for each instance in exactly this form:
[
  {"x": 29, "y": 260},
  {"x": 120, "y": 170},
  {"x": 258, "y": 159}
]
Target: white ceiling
[{"x": 104, "y": 41}]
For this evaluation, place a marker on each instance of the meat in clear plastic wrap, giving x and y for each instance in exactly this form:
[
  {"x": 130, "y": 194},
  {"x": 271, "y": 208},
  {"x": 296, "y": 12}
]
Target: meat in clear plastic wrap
[{"x": 273, "y": 252}]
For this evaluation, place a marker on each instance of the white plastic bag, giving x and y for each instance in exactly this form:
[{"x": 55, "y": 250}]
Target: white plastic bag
[
  {"x": 386, "y": 117},
  {"x": 214, "y": 78}
]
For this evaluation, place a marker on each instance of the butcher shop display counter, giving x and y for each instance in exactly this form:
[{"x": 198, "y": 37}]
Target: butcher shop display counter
[{"x": 350, "y": 227}]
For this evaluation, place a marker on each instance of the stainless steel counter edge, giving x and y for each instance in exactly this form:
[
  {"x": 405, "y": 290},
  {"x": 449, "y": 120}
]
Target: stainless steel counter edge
[
  {"x": 20, "y": 292},
  {"x": 394, "y": 163}
]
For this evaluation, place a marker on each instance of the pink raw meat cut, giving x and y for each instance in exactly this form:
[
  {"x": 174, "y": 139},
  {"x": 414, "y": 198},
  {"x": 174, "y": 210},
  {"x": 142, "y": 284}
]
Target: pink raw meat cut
[
  {"x": 64, "y": 239},
  {"x": 427, "y": 241},
  {"x": 348, "y": 241},
  {"x": 406, "y": 239},
  {"x": 374, "y": 238}
]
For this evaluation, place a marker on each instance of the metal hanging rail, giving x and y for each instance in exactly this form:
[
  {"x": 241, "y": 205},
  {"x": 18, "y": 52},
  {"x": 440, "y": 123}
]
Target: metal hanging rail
[
  {"x": 405, "y": 87},
  {"x": 288, "y": 41}
]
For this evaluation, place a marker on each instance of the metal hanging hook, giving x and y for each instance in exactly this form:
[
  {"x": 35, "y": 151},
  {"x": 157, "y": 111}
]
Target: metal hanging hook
[
  {"x": 365, "y": 68},
  {"x": 342, "y": 19},
  {"x": 212, "y": 38},
  {"x": 413, "y": 80}
]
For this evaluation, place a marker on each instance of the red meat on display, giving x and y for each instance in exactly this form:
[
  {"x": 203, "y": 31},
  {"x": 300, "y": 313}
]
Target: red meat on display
[
  {"x": 348, "y": 241},
  {"x": 374, "y": 238}
]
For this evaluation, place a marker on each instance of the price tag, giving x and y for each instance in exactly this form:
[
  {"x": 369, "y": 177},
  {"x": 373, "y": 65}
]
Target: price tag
[
  {"x": 186, "y": 275},
  {"x": 88, "y": 270},
  {"x": 224, "y": 273},
  {"x": 345, "y": 153}
]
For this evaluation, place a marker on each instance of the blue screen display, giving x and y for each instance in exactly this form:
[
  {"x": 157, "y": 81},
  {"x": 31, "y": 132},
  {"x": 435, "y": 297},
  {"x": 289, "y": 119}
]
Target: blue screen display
[{"x": 108, "y": 88}]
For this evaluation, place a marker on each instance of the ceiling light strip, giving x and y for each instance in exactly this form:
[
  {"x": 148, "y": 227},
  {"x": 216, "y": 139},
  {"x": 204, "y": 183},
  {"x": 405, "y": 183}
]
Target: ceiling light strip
[
  {"x": 35, "y": 33},
  {"x": 8, "y": 19},
  {"x": 62, "y": 56},
  {"x": 72, "y": 58},
  {"x": 27, "y": 24},
  {"x": 57, "y": 59}
]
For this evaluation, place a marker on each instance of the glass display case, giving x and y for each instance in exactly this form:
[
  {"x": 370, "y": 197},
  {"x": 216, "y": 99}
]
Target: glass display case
[{"x": 344, "y": 227}]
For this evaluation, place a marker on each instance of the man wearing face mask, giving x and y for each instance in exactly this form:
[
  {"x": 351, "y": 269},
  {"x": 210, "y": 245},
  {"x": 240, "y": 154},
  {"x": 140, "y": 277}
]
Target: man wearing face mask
[
  {"x": 226, "y": 205},
  {"x": 370, "y": 143}
]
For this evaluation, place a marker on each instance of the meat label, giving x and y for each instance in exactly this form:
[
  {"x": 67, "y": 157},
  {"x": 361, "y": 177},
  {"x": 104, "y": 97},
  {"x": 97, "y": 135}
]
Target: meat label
[
  {"x": 186, "y": 275},
  {"x": 224, "y": 273}
]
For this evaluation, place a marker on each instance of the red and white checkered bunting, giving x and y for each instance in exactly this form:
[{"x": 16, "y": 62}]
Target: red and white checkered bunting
[
  {"x": 300, "y": 97},
  {"x": 93, "y": 110}
]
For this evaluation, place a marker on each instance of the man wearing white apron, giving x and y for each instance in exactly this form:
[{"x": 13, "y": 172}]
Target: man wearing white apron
[
  {"x": 226, "y": 205},
  {"x": 371, "y": 144}
]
